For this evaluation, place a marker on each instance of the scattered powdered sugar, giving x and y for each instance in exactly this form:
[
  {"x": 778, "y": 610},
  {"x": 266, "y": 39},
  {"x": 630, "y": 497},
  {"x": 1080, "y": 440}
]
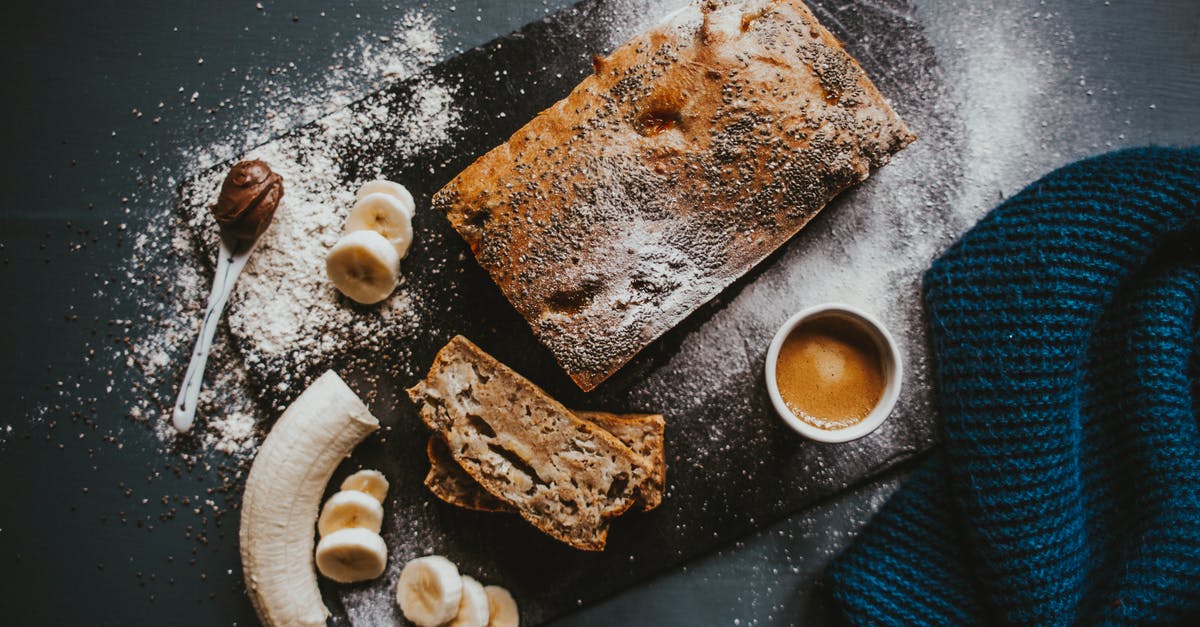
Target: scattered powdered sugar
[
  {"x": 286, "y": 316},
  {"x": 433, "y": 114},
  {"x": 362, "y": 68},
  {"x": 414, "y": 45},
  {"x": 233, "y": 434},
  {"x": 283, "y": 313}
]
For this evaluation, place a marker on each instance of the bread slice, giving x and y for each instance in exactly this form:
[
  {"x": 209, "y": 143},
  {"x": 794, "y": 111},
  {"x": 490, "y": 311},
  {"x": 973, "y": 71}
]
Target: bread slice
[
  {"x": 691, "y": 153},
  {"x": 450, "y": 483},
  {"x": 563, "y": 475},
  {"x": 642, "y": 433}
]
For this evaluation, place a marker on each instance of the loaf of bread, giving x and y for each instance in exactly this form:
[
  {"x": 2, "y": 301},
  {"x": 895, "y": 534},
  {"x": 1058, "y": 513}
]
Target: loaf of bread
[
  {"x": 566, "y": 476},
  {"x": 642, "y": 433},
  {"x": 690, "y": 154}
]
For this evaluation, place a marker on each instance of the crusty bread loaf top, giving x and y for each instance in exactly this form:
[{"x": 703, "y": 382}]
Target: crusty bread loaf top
[
  {"x": 564, "y": 475},
  {"x": 690, "y": 154}
]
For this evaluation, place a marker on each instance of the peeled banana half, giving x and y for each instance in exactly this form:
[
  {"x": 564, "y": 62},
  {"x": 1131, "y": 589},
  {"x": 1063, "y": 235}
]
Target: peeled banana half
[{"x": 283, "y": 494}]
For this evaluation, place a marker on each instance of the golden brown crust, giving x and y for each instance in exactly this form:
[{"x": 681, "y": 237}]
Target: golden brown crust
[{"x": 694, "y": 151}]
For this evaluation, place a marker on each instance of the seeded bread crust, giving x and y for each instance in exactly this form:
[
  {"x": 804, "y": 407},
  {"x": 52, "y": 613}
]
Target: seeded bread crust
[
  {"x": 565, "y": 476},
  {"x": 691, "y": 153},
  {"x": 643, "y": 433}
]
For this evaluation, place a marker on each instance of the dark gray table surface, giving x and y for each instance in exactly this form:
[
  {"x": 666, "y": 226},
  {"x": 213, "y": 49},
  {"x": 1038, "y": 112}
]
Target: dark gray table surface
[{"x": 1037, "y": 83}]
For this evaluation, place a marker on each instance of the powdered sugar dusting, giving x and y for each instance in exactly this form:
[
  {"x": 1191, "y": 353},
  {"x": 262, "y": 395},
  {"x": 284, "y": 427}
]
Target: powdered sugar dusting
[
  {"x": 284, "y": 315},
  {"x": 232, "y": 434},
  {"x": 365, "y": 66},
  {"x": 288, "y": 319}
]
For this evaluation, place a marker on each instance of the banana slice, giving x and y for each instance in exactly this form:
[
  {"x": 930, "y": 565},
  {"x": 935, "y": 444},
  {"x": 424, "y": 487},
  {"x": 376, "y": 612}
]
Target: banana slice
[
  {"x": 395, "y": 190},
  {"x": 364, "y": 266},
  {"x": 370, "y": 481},
  {"x": 385, "y": 215},
  {"x": 350, "y": 509},
  {"x": 350, "y": 555},
  {"x": 502, "y": 608},
  {"x": 473, "y": 608},
  {"x": 429, "y": 591}
]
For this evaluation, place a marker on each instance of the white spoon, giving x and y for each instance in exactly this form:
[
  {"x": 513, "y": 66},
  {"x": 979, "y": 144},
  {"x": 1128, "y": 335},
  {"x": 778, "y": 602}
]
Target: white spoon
[{"x": 233, "y": 253}]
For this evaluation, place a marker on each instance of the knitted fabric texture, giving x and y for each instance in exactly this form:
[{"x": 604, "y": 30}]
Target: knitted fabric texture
[{"x": 1067, "y": 489}]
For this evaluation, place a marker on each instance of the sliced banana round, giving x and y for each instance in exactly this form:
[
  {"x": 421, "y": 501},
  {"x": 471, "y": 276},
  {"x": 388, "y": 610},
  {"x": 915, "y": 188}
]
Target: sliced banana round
[
  {"x": 350, "y": 555},
  {"x": 429, "y": 591},
  {"x": 473, "y": 607},
  {"x": 370, "y": 481},
  {"x": 395, "y": 190},
  {"x": 502, "y": 608},
  {"x": 350, "y": 510},
  {"x": 364, "y": 266},
  {"x": 385, "y": 215}
]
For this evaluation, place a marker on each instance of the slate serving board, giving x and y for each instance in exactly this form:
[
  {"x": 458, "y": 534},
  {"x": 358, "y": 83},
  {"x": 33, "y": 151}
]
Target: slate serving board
[{"x": 733, "y": 466}]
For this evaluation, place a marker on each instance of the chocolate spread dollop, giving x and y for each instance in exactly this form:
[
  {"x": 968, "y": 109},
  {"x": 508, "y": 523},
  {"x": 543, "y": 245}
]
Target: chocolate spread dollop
[{"x": 249, "y": 196}]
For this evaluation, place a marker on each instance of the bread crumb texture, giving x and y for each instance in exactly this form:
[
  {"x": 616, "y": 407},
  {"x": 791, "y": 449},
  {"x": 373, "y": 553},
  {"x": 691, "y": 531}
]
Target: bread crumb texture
[{"x": 566, "y": 476}]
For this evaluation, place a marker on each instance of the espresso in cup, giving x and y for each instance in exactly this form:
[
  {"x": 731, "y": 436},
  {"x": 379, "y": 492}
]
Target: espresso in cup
[{"x": 830, "y": 372}]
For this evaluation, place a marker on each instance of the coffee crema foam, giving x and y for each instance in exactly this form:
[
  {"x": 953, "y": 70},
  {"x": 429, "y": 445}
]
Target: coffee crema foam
[{"x": 830, "y": 373}]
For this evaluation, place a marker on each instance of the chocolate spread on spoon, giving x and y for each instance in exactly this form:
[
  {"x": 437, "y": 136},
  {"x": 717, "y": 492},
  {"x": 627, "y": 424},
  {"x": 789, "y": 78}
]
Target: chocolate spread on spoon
[{"x": 249, "y": 196}]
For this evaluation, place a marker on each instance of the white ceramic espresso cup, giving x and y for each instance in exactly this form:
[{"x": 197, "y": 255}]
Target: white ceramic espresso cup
[{"x": 892, "y": 372}]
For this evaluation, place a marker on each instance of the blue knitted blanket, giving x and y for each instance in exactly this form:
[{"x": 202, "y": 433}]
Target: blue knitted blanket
[{"x": 1066, "y": 333}]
